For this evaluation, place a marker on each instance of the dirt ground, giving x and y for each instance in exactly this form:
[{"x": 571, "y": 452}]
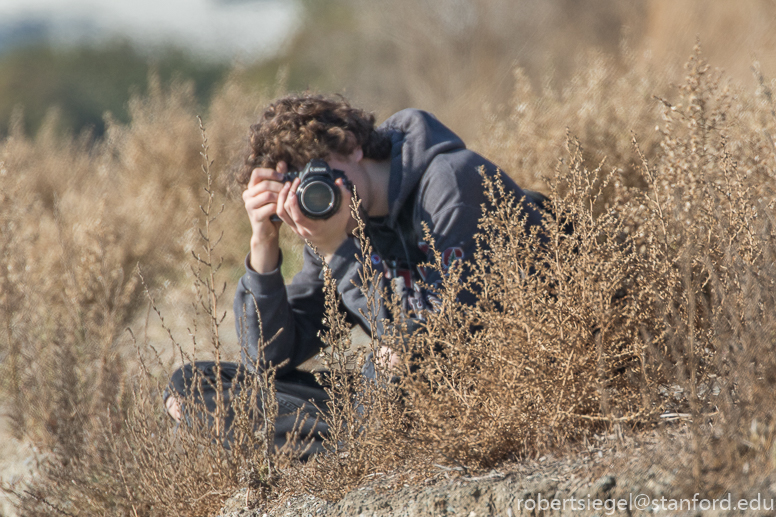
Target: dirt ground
[
  {"x": 649, "y": 476},
  {"x": 16, "y": 463}
]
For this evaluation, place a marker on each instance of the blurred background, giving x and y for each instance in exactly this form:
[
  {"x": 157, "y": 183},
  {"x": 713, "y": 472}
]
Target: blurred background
[{"x": 86, "y": 57}]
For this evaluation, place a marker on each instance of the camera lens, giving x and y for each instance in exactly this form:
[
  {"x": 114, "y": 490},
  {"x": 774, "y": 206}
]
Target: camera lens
[{"x": 318, "y": 199}]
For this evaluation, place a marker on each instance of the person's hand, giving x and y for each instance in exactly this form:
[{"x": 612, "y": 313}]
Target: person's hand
[
  {"x": 260, "y": 198},
  {"x": 325, "y": 234},
  {"x": 173, "y": 408},
  {"x": 387, "y": 359}
]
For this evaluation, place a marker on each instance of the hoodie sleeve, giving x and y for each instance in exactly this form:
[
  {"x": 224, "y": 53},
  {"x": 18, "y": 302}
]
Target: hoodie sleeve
[{"x": 292, "y": 314}]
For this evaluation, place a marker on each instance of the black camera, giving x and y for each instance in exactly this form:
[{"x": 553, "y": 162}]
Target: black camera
[{"x": 318, "y": 196}]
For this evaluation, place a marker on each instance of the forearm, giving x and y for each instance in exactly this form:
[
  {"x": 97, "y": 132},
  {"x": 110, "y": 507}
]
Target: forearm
[
  {"x": 286, "y": 319},
  {"x": 265, "y": 255}
]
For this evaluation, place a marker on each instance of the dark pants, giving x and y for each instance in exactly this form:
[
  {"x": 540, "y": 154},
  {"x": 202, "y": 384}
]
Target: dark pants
[{"x": 301, "y": 401}]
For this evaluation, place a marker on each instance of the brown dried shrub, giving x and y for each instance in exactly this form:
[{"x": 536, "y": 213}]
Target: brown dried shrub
[
  {"x": 660, "y": 302},
  {"x": 78, "y": 217}
]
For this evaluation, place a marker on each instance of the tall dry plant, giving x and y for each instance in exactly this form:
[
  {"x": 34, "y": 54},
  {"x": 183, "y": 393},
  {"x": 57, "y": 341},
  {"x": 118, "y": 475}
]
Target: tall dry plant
[
  {"x": 358, "y": 405},
  {"x": 600, "y": 105},
  {"x": 192, "y": 467},
  {"x": 549, "y": 353},
  {"x": 711, "y": 195},
  {"x": 129, "y": 458},
  {"x": 78, "y": 216},
  {"x": 656, "y": 308}
]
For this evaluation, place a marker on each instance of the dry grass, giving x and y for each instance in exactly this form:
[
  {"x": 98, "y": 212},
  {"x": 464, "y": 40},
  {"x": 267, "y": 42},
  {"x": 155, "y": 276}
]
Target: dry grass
[
  {"x": 443, "y": 55},
  {"x": 78, "y": 218},
  {"x": 661, "y": 301}
]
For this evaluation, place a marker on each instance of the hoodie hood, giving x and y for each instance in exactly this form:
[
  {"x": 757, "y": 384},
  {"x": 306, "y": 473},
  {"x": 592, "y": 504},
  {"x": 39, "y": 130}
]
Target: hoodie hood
[{"x": 417, "y": 137}]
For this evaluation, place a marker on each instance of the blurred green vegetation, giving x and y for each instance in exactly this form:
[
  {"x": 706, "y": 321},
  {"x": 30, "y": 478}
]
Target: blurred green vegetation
[
  {"x": 455, "y": 58},
  {"x": 86, "y": 81},
  {"x": 448, "y": 57},
  {"x": 323, "y": 55}
]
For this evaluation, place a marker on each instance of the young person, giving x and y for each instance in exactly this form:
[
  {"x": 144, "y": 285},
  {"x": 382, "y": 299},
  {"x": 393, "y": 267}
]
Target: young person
[{"x": 408, "y": 172}]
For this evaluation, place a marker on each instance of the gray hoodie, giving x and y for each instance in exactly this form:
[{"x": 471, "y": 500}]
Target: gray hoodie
[{"x": 434, "y": 180}]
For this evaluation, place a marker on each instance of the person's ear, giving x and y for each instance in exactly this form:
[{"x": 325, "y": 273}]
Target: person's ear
[{"x": 357, "y": 155}]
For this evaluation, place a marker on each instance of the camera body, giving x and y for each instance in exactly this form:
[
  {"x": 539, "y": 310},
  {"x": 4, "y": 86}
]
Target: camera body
[{"x": 318, "y": 196}]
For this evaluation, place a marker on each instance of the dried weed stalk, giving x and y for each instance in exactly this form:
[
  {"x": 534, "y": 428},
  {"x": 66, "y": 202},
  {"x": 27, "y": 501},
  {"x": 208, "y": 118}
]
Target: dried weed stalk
[
  {"x": 359, "y": 407},
  {"x": 108, "y": 445},
  {"x": 657, "y": 309}
]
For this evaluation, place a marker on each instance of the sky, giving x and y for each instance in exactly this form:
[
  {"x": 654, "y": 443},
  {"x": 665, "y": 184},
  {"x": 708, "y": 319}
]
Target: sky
[{"x": 242, "y": 29}]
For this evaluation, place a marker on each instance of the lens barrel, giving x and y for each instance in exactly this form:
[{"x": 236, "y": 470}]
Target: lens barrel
[
  {"x": 318, "y": 195},
  {"x": 318, "y": 198}
]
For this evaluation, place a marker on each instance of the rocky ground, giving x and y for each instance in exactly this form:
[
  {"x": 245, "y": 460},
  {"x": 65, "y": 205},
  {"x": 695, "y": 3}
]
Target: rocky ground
[{"x": 612, "y": 476}]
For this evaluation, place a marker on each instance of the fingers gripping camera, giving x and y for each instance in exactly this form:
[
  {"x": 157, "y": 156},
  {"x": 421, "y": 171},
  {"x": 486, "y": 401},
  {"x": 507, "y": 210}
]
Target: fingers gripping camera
[{"x": 318, "y": 195}]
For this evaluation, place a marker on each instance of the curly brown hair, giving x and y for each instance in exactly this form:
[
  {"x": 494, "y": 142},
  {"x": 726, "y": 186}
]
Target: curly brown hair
[{"x": 298, "y": 128}]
